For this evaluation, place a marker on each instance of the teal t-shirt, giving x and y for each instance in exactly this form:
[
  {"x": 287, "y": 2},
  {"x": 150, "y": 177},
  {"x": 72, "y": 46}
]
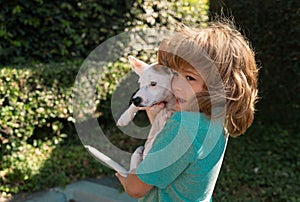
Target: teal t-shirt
[{"x": 185, "y": 159}]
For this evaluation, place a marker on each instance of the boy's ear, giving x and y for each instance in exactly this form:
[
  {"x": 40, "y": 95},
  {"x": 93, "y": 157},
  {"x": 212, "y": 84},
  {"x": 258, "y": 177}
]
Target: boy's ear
[{"x": 137, "y": 65}]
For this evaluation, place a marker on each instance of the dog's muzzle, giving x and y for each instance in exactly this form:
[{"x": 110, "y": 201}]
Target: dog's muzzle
[{"x": 137, "y": 101}]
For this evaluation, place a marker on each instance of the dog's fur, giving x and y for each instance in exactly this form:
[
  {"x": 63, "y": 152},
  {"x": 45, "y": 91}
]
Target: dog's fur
[{"x": 155, "y": 87}]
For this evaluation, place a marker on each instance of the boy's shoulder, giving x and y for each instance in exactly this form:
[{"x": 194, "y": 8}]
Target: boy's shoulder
[
  {"x": 197, "y": 125},
  {"x": 186, "y": 118},
  {"x": 192, "y": 124}
]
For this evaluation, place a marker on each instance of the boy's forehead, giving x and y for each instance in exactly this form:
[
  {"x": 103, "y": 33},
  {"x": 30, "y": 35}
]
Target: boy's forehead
[
  {"x": 186, "y": 69},
  {"x": 191, "y": 70}
]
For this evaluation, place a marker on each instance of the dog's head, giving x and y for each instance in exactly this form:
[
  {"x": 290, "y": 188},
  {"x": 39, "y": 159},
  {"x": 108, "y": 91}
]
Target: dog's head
[{"x": 155, "y": 83}]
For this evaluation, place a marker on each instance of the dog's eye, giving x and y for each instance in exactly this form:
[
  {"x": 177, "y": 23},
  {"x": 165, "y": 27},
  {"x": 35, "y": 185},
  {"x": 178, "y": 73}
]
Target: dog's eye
[{"x": 153, "y": 83}]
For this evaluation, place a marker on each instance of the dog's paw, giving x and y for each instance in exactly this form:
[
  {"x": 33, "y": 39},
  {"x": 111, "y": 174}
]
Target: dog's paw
[
  {"x": 123, "y": 121},
  {"x": 136, "y": 158}
]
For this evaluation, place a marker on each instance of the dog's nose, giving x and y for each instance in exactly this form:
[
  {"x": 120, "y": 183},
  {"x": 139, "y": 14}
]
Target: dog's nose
[{"x": 137, "y": 101}]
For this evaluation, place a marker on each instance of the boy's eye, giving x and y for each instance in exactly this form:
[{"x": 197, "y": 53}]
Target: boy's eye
[
  {"x": 153, "y": 83},
  {"x": 190, "y": 78}
]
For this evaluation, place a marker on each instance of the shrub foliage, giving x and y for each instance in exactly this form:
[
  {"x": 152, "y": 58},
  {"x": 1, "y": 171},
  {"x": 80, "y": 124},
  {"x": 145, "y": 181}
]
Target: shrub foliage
[
  {"x": 36, "y": 99},
  {"x": 31, "y": 99},
  {"x": 39, "y": 30},
  {"x": 36, "y": 113},
  {"x": 48, "y": 30}
]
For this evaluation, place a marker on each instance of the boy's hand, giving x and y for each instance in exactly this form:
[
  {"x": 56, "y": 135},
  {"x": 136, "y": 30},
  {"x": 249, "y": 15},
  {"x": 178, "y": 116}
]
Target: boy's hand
[
  {"x": 154, "y": 110},
  {"x": 133, "y": 186},
  {"x": 121, "y": 179}
]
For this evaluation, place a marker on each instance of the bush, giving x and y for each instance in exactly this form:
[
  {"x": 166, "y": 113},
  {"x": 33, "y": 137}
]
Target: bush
[
  {"x": 51, "y": 30},
  {"x": 33, "y": 169},
  {"x": 33, "y": 102},
  {"x": 44, "y": 31},
  {"x": 167, "y": 14},
  {"x": 36, "y": 102},
  {"x": 261, "y": 166},
  {"x": 36, "y": 116},
  {"x": 36, "y": 99}
]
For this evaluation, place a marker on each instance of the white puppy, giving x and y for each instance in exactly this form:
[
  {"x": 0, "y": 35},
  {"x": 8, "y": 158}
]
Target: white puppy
[{"x": 155, "y": 87}]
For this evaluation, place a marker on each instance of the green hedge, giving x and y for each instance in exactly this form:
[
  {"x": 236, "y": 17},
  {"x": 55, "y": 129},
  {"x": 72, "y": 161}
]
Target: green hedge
[
  {"x": 36, "y": 102},
  {"x": 51, "y": 30},
  {"x": 38, "y": 30},
  {"x": 36, "y": 99},
  {"x": 259, "y": 167},
  {"x": 36, "y": 116}
]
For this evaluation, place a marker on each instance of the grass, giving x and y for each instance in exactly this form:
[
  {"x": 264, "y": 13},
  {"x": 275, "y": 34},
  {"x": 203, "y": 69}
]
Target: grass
[
  {"x": 261, "y": 165},
  {"x": 36, "y": 169}
]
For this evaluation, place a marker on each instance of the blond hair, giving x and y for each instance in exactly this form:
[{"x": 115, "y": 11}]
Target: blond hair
[{"x": 234, "y": 60}]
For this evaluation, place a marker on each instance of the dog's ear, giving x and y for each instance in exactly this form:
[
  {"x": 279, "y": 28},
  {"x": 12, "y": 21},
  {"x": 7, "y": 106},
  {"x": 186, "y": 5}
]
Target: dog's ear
[{"x": 137, "y": 65}]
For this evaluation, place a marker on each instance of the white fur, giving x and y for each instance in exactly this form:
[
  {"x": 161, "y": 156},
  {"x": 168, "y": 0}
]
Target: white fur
[{"x": 151, "y": 94}]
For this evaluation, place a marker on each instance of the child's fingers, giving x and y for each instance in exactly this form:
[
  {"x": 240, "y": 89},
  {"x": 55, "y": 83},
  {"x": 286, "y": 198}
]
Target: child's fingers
[
  {"x": 153, "y": 110},
  {"x": 159, "y": 105},
  {"x": 156, "y": 106},
  {"x": 121, "y": 179}
]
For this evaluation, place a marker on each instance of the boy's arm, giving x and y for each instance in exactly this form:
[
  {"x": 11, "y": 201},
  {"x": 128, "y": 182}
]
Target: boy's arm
[{"x": 133, "y": 186}]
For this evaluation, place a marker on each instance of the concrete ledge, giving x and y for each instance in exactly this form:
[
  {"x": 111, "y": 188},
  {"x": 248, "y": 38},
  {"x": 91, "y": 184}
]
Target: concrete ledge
[{"x": 82, "y": 191}]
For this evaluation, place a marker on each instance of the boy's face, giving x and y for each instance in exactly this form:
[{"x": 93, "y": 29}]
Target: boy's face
[{"x": 186, "y": 83}]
